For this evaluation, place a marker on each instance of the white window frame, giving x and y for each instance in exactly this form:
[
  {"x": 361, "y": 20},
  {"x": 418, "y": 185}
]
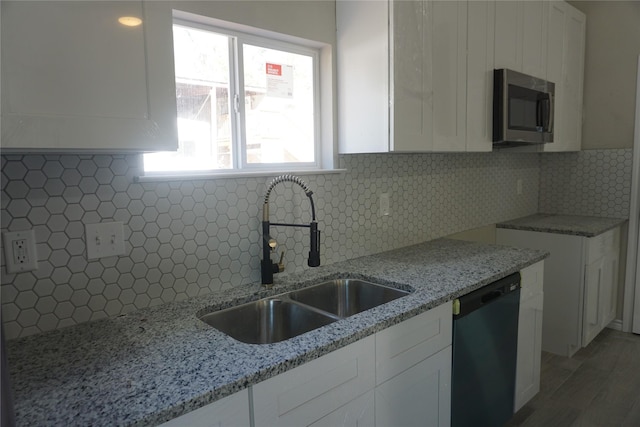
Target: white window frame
[
  {"x": 240, "y": 40},
  {"x": 323, "y": 155}
]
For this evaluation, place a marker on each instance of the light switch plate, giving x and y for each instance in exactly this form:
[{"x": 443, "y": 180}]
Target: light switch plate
[
  {"x": 104, "y": 239},
  {"x": 385, "y": 205},
  {"x": 20, "y": 251}
]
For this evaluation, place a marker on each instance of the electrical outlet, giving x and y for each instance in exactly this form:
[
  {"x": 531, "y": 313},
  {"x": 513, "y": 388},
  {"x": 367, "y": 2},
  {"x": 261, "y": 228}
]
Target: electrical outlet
[{"x": 20, "y": 251}]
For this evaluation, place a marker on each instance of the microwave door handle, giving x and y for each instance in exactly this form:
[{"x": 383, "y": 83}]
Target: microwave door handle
[
  {"x": 544, "y": 113},
  {"x": 551, "y": 112}
]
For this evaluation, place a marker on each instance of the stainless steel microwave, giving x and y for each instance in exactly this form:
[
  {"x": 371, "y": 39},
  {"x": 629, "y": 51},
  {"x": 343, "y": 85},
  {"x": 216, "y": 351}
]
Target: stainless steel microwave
[{"x": 522, "y": 109}]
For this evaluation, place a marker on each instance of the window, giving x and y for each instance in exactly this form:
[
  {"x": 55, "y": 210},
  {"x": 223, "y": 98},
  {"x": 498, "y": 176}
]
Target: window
[{"x": 244, "y": 103}]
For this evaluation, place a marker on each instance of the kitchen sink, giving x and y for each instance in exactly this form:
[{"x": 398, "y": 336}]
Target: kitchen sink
[
  {"x": 346, "y": 297},
  {"x": 267, "y": 321},
  {"x": 285, "y": 316}
]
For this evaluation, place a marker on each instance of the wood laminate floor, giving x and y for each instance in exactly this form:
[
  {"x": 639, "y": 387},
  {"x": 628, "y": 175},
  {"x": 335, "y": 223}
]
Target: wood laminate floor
[{"x": 599, "y": 386}]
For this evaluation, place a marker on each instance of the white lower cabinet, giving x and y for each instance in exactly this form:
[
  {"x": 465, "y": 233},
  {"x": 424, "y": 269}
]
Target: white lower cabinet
[
  {"x": 580, "y": 284},
  {"x": 529, "y": 335},
  {"x": 399, "y": 376},
  {"x": 420, "y": 396},
  {"x": 600, "y": 285},
  {"x": 413, "y": 371},
  {"x": 306, "y": 394},
  {"x": 231, "y": 411},
  {"x": 406, "y": 344},
  {"x": 357, "y": 413},
  {"x": 593, "y": 290}
]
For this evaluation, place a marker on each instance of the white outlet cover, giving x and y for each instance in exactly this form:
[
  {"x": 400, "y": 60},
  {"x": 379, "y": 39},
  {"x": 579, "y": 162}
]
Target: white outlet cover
[
  {"x": 29, "y": 257},
  {"x": 104, "y": 239}
]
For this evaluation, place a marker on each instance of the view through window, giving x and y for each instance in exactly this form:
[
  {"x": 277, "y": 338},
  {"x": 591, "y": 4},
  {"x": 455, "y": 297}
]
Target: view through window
[{"x": 243, "y": 103}]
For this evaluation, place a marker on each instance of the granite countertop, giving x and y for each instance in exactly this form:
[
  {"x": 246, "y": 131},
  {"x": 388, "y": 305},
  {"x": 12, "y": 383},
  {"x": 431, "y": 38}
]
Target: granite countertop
[
  {"x": 587, "y": 226},
  {"x": 155, "y": 364}
]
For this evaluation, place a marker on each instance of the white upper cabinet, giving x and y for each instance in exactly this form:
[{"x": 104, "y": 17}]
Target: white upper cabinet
[
  {"x": 480, "y": 60},
  {"x": 363, "y": 76},
  {"x": 447, "y": 28},
  {"x": 75, "y": 79},
  {"x": 521, "y": 36},
  {"x": 403, "y": 76},
  {"x": 546, "y": 39},
  {"x": 385, "y": 100},
  {"x": 565, "y": 59},
  {"x": 409, "y": 101}
]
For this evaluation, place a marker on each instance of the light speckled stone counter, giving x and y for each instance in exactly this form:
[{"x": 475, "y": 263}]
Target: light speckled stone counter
[
  {"x": 587, "y": 226},
  {"x": 155, "y": 364}
]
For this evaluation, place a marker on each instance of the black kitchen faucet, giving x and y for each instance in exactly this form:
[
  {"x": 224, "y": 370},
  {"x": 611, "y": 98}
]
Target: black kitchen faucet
[{"x": 267, "y": 266}]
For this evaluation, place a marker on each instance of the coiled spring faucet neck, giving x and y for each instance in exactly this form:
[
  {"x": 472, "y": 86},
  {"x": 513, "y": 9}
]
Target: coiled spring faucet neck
[
  {"x": 287, "y": 178},
  {"x": 268, "y": 268}
]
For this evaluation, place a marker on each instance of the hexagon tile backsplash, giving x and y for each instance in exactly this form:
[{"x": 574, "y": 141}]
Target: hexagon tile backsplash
[
  {"x": 590, "y": 182},
  {"x": 190, "y": 237}
]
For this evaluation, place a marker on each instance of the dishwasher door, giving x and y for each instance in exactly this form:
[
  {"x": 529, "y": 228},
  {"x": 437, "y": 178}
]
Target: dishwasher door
[{"x": 485, "y": 338}]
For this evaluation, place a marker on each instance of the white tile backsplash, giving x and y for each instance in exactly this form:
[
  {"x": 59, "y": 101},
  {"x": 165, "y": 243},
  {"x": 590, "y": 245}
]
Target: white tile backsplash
[
  {"x": 187, "y": 238},
  {"x": 589, "y": 182}
]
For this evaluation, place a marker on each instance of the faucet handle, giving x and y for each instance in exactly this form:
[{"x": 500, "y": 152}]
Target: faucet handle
[
  {"x": 273, "y": 244},
  {"x": 281, "y": 262}
]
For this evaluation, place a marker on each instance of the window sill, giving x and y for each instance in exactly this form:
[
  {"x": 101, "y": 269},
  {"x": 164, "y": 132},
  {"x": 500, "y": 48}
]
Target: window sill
[{"x": 231, "y": 174}]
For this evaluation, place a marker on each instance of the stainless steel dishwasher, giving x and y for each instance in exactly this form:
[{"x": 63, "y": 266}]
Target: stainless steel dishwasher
[{"x": 485, "y": 338}]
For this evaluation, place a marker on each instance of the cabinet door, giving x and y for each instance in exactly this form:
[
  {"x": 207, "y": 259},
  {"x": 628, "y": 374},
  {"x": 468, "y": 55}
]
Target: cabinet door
[
  {"x": 593, "y": 289},
  {"x": 412, "y": 106},
  {"x": 74, "y": 78},
  {"x": 574, "y": 76},
  {"x": 534, "y": 38},
  {"x": 563, "y": 286},
  {"x": 359, "y": 412},
  {"x": 363, "y": 76},
  {"x": 308, "y": 393},
  {"x": 480, "y": 64},
  {"x": 521, "y": 36},
  {"x": 555, "y": 63},
  {"x": 447, "y": 27},
  {"x": 230, "y": 411},
  {"x": 420, "y": 396},
  {"x": 565, "y": 68},
  {"x": 508, "y": 35},
  {"x": 403, "y": 345},
  {"x": 610, "y": 289},
  {"x": 529, "y": 350}
]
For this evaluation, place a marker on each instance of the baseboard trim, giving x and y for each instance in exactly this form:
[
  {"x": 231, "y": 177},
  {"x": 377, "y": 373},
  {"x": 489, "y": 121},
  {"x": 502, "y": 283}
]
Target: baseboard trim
[{"x": 616, "y": 325}]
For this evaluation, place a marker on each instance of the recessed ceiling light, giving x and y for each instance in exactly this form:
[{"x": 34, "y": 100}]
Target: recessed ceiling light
[{"x": 130, "y": 21}]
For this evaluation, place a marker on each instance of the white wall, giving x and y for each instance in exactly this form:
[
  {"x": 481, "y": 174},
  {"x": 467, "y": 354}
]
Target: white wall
[{"x": 612, "y": 49}]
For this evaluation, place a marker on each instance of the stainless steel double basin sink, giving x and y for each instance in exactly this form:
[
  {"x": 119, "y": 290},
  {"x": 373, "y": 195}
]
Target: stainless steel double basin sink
[{"x": 285, "y": 316}]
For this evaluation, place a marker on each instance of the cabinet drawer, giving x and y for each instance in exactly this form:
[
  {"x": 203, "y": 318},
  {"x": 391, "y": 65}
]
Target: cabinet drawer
[
  {"x": 599, "y": 245},
  {"x": 401, "y": 346},
  {"x": 229, "y": 411},
  {"x": 532, "y": 280},
  {"x": 612, "y": 240},
  {"x": 420, "y": 396},
  {"x": 304, "y": 395}
]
